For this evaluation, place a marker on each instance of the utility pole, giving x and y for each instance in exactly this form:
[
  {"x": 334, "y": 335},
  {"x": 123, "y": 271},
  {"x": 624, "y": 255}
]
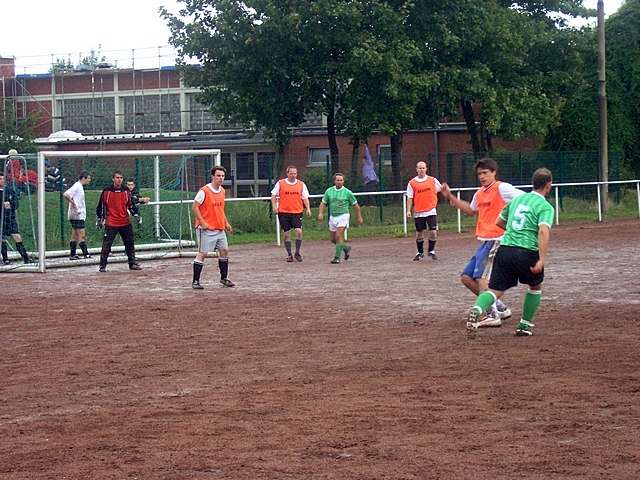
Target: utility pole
[{"x": 602, "y": 103}]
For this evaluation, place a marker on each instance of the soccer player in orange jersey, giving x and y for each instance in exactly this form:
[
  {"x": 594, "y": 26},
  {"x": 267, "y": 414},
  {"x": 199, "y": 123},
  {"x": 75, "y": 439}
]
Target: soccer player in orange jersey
[
  {"x": 211, "y": 227},
  {"x": 289, "y": 200},
  {"x": 487, "y": 203},
  {"x": 422, "y": 198}
]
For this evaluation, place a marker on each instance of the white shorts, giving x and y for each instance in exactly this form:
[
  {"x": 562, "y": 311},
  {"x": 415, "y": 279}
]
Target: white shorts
[
  {"x": 339, "y": 221},
  {"x": 211, "y": 240}
]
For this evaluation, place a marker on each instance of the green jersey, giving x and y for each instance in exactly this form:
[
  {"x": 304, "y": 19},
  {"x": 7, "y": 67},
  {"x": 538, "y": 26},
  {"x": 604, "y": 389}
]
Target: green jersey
[
  {"x": 338, "y": 200},
  {"x": 522, "y": 217}
]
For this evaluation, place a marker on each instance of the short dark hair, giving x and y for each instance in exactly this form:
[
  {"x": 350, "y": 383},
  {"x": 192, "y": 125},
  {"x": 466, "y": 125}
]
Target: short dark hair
[
  {"x": 117, "y": 172},
  {"x": 218, "y": 167},
  {"x": 338, "y": 174},
  {"x": 541, "y": 177},
  {"x": 83, "y": 174},
  {"x": 486, "y": 163},
  {"x": 131, "y": 179}
]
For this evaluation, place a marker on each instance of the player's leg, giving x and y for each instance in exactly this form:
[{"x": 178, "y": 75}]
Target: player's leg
[
  {"x": 533, "y": 296},
  {"x": 421, "y": 226},
  {"x": 5, "y": 251},
  {"x": 126, "y": 233},
  {"x": 339, "y": 236},
  {"x": 198, "y": 262},
  {"x": 82, "y": 242},
  {"x": 107, "y": 241},
  {"x": 297, "y": 225},
  {"x": 223, "y": 260},
  {"x": 20, "y": 246},
  {"x": 285, "y": 224},
  {"x": 432, "y": 223},
  {"x": 73, "y": 242}
]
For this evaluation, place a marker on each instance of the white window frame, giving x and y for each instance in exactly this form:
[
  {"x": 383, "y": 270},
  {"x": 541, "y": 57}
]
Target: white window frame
[{"x": 323, "y": 163}]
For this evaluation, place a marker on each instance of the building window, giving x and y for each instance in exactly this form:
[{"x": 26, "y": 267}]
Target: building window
[
  {"x": 318, "y": 157},
  {"x": 265, "y": 165},
  {"x": 244, "y": 166}
]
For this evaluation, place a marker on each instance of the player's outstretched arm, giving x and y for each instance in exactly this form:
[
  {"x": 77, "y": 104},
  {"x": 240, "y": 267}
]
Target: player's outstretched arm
[{"x": 462, "y": 205}]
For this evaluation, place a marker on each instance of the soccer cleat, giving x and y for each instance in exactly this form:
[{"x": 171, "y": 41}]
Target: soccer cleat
[
  {"x": 433, "y": 255},
  {"x": 335, "y": 260},
  {"x": 347, "y": 252},
  {"x": 88, "y": 255},
  {"x": 196, "y": 285},
  {"x": 472, "y": 319},
  {"x": 74, "y": 257},
  {"x": 6, "y": 261},
  {"x": 227, "y": 283},
  {"x": 524, "y": 329},
  {"x": 102, "y": 269},
  {"x": 491, "y": 320},
  {"x": 418, "y": 257},
  {"x": 135, "y": 266},
  {"x": 298, "y": 257},
  {"x": 504, "y": 314},
  {"x": 289, "y": 259}
]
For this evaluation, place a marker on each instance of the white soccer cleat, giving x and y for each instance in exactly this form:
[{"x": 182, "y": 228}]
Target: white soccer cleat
[
  {"x": 504, "y": 314},
  {"x": 472, "y": 320}
]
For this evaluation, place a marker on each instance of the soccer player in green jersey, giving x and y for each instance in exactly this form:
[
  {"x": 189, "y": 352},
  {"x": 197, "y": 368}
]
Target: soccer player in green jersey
[
  {"x": 338, "y": 198},
  {"x": 527, "y": 221}
]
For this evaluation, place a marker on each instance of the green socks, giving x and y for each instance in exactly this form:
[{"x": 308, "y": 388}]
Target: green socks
[
  {"x": 339, "y": 248},
  {"x": 485, "y": 300},
  {"x": 531, "y": 304}
]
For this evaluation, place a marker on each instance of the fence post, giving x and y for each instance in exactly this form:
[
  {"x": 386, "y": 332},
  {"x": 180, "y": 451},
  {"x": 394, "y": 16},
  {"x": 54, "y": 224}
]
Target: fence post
[
  {"x": 60, "y": 185},
  {"x": 599, "y": 203},
  {"x": 459, "y": 215},
  {"x": 638, "y": 193},
  {"x": 277, "y": 229},
  {"x": 404, "y": 213},
  {"x": 557, "y": 207},
  {"x": 41, "y": 215},
  {"x": 156, "y": 194}
]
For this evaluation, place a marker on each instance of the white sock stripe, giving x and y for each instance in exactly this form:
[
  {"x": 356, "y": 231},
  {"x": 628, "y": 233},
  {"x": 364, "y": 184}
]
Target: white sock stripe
[
  {"x": 529, "y": 324},
  {"x": 197, "y": 262},
  {"x": 535, "y": 292},
  {"x": 493, "y": 295}
]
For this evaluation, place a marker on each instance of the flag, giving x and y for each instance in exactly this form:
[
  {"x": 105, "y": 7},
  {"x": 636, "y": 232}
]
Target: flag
[{"x": 368, "y": 169}]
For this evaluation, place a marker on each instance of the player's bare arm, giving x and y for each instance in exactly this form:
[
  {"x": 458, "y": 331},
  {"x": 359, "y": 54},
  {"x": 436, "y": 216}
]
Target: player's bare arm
[
  {"x": 501, "y": 223},
  {"x": 321, "y": 211},
  {"x": 409, "y": 206},
  {"x": 274, "y": 203},
  {"x": 544, "y": 234},
  {"x": 196, "y": 212},
  {"x": 307, "y": 206},
  {"x": 358, "y": 210}
]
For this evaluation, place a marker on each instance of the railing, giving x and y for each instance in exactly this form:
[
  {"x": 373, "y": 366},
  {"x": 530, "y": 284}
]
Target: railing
[{"x": 458, "y": 191}]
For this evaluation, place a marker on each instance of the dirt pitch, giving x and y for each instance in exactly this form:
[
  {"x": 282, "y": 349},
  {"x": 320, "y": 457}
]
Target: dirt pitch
[{"x": 316, "y": 371}]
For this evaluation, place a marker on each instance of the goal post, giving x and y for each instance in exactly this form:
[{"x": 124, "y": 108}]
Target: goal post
[{"x": 152, "y": 155}]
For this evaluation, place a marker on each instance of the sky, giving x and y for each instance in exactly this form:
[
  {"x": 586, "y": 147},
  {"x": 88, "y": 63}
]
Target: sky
[{"x": 33, "y": 30}]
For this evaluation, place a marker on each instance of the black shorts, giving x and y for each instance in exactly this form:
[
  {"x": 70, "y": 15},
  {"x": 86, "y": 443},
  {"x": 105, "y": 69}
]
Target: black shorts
[
  {"x": 77, "y": 224},
  {"x": 290, "y": 220},
  {"x": 9, "y": 226},
  {"x": 423, "y": 222},
  {"x": 513, "y": 265}
]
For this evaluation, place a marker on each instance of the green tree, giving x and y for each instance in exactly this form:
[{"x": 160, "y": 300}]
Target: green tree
[{"x": 15, "y": 132}]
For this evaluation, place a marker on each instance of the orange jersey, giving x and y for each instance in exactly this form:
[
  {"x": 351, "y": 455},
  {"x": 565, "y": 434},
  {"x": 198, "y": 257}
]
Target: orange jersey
[
  {"x": 489, "y": 204},
  {"x": 425, "y": 194},
  {"x": 290, "y": 197},
  {"x": 212, "y": 208}
]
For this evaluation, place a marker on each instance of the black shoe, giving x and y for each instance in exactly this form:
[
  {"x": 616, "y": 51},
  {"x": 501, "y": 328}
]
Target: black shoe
[
  {"x": 418, "y": 257},
  {"x": 433, "y": 255},
  {"x": 135, "y": 266},
  {"x": 289, "y": 259},
  {"x": 347, "y": 253},
  {"x": 6, "y": 261},
  {"x": 27, "y": 260},
  {"x": 227, "y": 283},
  {"x": 74, "y": 257},
  {"x": 298, "y": 257},
  {"x": 335, "y": 260},
  {"x": 102, "y": 269},
  {"x": 196, "y": 285}
]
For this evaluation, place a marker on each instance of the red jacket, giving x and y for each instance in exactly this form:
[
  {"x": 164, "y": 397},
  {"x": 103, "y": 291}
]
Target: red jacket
[{"x": 114, "y": 206}]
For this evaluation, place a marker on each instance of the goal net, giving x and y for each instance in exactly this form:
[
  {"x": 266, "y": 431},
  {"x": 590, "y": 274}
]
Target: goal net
[{"x": 165, "y": 181}]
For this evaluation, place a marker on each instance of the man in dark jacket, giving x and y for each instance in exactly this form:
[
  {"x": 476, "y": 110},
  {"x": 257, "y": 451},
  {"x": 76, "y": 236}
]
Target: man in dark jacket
[
  {"x": 9, "y": 198},
  {"x": 113, "y": 214}
]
